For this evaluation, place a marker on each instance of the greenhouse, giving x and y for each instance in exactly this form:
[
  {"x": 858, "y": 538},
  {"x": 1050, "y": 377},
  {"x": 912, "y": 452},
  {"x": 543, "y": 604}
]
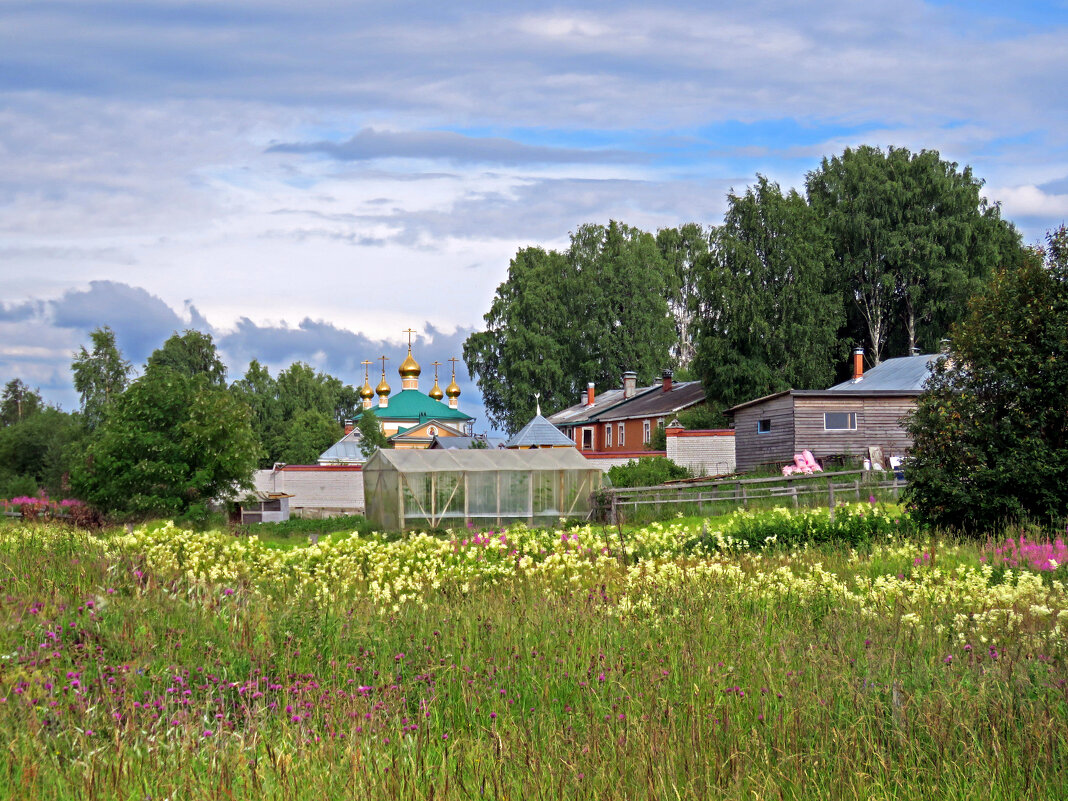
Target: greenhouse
[{"x": 442, "y": 488}]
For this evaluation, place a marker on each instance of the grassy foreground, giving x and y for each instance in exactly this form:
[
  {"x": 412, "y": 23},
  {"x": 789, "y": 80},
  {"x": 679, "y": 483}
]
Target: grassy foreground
[{"x": 529, "y": 665}]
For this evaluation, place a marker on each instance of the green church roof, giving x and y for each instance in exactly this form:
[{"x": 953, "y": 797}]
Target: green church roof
[{"x": 411, "y": 404}]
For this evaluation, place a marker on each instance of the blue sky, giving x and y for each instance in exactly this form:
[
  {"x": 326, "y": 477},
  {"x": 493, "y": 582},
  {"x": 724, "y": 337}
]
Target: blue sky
[{"x": 308, "y": 180}]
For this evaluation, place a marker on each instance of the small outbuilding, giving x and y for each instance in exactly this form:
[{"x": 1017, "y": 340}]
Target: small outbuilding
[
  {"x": 482, "y": 487},
  {"x": 265, "y": 507}
]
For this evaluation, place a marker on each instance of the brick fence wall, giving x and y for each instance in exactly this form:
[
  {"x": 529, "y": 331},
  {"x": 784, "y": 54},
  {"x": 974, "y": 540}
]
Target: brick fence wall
[{"x": 707, "y": 452}]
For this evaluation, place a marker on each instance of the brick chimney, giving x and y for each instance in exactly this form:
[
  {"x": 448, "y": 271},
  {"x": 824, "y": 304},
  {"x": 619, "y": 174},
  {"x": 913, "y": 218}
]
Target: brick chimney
[
  {"x": 858, "y": 364},
  {"x": 589, "y": 394},
  {"x": 349, "y": 425},
  {"x": 630, "y": 384},
  {"x": 667, "y": 376}
]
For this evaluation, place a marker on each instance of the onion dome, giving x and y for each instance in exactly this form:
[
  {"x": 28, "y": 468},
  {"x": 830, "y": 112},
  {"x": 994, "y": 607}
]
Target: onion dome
[
  {"x": 453, "y": 389},
  {"x": 436, "y": 392},
  {"x": 382, "y": 390},
  {"x": 366, "y": 393},
  {"x": 409, "y": 367}
]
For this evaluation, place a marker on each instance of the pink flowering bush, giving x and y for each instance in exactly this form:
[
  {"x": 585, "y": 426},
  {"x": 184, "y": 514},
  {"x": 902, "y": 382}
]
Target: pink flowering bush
[
  {"x": 1043, "y": 556},
  {"x": 33, "y": 507}
]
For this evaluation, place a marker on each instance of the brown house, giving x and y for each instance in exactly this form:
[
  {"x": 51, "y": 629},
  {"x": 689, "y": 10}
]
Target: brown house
[
  {"x": 844, "y": 420},
  {"x": 622, "y": 421}
]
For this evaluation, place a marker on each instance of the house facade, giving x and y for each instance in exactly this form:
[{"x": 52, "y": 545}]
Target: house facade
[{"x": 842, "y": 421}]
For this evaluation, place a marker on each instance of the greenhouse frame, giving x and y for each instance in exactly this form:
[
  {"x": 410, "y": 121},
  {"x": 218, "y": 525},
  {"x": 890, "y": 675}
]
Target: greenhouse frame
[{"x": 479, "y": 487}]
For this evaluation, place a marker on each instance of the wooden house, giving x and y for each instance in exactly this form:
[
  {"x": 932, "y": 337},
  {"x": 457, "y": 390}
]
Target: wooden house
[{"x": 843, "y": 421}]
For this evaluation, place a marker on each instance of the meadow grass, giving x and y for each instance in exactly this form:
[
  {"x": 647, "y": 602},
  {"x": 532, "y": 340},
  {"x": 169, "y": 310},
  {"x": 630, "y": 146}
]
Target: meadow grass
[{"x": 540, "y": 665}]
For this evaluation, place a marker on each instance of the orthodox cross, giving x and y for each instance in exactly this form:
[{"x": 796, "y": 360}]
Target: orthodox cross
[
  {"x": 384, "y": 360},
  {"x": 366, "y": 362},
  {"x": 409, "y": 332},
  {"x": 454, "y": 360},
  {"x": 435, "y": 371}
]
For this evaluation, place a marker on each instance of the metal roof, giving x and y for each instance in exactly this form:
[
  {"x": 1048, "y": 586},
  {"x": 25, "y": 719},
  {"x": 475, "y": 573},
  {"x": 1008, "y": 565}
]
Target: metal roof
[
  {"x": 411, "y": 404},
  {"x": 346, "y": 450},
  {"x": 480, "y": 460},
  {"x": 654, "y": 402},
  {"x": 580, "y": 412},
  {"x": 903, "y": 374},
  {"x": 463, "y": 443},
  {"x": 538, "y": 432}
]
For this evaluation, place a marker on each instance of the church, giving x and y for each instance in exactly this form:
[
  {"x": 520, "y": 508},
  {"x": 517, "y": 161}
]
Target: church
[{"x": 410, "y": 418}]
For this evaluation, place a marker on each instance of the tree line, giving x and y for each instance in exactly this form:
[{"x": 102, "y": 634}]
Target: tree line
[
  {"x": 171, "y": 440},
  {"x": 882, "y": 249}
]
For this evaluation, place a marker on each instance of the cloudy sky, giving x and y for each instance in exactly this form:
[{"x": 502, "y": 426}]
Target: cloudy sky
[{"x": 307, "y": 180}]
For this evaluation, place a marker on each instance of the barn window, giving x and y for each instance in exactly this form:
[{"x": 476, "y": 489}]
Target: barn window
[
  {"x": 763, "y": 426},
  {"x": 839, "y": 421}
]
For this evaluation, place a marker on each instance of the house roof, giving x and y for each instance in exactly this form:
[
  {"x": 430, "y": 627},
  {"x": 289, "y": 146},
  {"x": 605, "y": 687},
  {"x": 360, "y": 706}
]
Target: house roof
[
  {"x": 538, "y": 432},
  {"x": 654, "y": 402},
  {"x": 903, "y": 374},
  {"x": 346, "y": 449},
  {"x": 580, "y": 412},
  {"x": 411, "y": 404}
]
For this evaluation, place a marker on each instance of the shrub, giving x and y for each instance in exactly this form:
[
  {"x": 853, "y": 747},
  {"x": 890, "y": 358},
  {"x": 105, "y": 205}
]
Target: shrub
[{"x": 646, "y": 472}]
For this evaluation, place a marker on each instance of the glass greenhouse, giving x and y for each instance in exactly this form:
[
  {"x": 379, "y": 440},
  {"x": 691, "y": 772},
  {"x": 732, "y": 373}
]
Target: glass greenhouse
[{"x": 442, "y": 488}]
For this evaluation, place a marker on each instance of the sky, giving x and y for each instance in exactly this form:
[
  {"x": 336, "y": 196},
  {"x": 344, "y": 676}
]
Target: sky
[{"x": 305, "y": 181}]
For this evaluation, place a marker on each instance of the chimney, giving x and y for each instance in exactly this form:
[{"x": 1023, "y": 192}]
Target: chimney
[
  {"x": 589, "y": 394},
  {"x": 349, "y": 425},
  {"x": 630, "y": 384},
  {"x": 858, "y": 364},
  {"x": 668, "y": 375}
]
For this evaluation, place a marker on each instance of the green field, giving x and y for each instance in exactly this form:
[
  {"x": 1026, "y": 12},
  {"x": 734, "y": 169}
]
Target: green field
[{"x": 762, "y": 655}]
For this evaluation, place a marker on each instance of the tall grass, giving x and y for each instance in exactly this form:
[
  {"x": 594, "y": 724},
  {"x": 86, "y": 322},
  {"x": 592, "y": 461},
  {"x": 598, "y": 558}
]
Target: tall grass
[{"x": 665, "y": 680}]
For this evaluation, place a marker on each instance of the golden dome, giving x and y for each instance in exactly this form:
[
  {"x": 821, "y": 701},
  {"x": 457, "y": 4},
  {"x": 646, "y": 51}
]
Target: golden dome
[
  {"x": 453, "y": 389},
  {"x": 365, "y": 391},
  {"x": 409, "y": 367},
  {"x": 436, "y": 392},
  {"x": 383, "y": 388}
]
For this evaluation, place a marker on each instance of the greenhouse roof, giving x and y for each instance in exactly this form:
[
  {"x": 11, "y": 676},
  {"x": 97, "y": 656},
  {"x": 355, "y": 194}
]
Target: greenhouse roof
[{"x": 480, "y": 460}]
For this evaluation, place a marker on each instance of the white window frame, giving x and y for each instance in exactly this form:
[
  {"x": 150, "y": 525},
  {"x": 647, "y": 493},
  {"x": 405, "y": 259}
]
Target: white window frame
[
  {"x": 851, "y": 421},
  {"x": 587, "y": 446},
  {"x": 762, "y": 429},
  {"x": 622, "y": 435},
  {"x": 646, "y": 432},
  {"x": 608, "y": 435}
]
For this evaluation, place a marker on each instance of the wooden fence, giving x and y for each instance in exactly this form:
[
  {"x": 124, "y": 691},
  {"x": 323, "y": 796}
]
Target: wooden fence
[{"x": 723, "y": 496}]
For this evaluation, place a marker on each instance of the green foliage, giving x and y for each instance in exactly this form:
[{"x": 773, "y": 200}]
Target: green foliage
[
  {"x": 39, "y": 451},
  {"x": 646, "y": 472},
  {"x": 18, "y": 402},
  {"x": 303, "y": 526},
  {"x": 990, "y": 433},
  {"x": 478, "y": 444},
  {"x": 704, "y": 416},
  {"x": 171, "y": 444},
  {"x": 561, "y": 320},
  {"x": 912, "y": 239},
  {"x": 298, "y": 415},
  {"x": 371, "y": 436},
  {"x": 684, "y": 250},
  {"x": 100, "y": 376},
  {"x": 190, "y": 354},
  {"x": 771, "y": 309},
  {"x": 306, "y": 435}
]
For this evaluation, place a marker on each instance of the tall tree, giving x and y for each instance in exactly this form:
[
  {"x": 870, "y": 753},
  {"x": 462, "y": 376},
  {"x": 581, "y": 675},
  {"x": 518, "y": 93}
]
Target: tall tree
[
  {"x": 770, "y": 310},
  {"x": 912, "y": 237},
  {"x": 100, "y": 376},
  {"x": 191, "y": 353},
  {"x": 684, "y": 249},
  {"x": 260, "y": 392},
  {"x": 561, "y": 320},
  {"x": 171, "y": 444},
  {"x": 17, "y": 402},
  {"x": 990, "y": 432}
]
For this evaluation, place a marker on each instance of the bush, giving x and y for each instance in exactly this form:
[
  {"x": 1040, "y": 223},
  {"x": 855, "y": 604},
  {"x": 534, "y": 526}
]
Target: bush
[{"x": 646, "y": 472}]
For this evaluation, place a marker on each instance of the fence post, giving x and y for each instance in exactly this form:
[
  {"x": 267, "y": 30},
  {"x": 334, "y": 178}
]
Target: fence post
[
  {"x": 830, "y": 498},
  {"x": 857, "y": 485},
  {"x": 793, "y": 494}
]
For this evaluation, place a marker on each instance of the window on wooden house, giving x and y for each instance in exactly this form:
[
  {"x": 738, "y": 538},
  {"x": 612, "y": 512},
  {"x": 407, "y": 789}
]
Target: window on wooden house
[
  {"x": 839, "y": 421},
  {"x": 608, "y": 435},
  {"x": 764, "y": 426},
  {"x": 622, "y": 435},
  {"x": 587, "y": 439},
  {"x": 645, "y": 432}
]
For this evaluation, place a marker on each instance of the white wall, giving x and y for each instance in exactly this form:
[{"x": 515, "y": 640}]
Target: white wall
[
  {"x": 316, "y": 490},
  {"x": 705, "y": 453}
]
